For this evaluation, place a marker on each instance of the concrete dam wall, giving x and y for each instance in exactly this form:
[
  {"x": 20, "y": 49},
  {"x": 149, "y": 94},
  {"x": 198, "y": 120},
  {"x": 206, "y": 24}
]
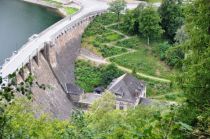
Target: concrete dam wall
[
  {"x": 50, "y": 58},
  {"x": 55, "y": 70}
]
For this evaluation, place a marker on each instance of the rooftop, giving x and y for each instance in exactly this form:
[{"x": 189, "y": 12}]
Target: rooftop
[{"x": 127, "y": 88}]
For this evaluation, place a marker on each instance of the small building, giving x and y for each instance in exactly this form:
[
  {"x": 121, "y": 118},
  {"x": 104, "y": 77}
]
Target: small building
[{"x": 128, "y": 91}]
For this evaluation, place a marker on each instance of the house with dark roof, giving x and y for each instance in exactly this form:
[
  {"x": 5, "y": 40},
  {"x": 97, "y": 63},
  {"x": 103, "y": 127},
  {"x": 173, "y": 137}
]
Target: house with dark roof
[{"x": 127, "y": 89}]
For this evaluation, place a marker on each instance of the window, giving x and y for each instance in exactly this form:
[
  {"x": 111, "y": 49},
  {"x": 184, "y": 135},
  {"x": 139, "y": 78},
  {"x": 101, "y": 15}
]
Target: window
[{"x": 121, "y": 107}]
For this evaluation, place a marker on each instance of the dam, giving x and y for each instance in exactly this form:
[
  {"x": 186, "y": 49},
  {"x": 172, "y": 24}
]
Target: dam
[{"x": 50, "y": 58}]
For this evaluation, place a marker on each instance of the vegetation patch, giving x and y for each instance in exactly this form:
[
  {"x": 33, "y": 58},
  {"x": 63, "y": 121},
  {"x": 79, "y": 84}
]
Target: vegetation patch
[
  {"x": 95, "y": 28},
  {"x": 162, "y": 91},
  {"x": 70, "y": 10},
  {"x": 108, "y": 37},
  {"x": 108, "y": 51},
  {"x": 119, "y": 27},
  {"x": 143, "y": 61},
  {"x": 133, "y": 42},
  {"x": 106, "y": 19},
  {"x": 87, "y": 43},
  {"x": 89, "y": 76},
  {"x": 56, "y": 3}
]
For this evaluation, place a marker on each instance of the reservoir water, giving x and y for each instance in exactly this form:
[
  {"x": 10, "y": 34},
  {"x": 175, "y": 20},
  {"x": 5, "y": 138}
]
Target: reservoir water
[{"x": 19, "y": 21}]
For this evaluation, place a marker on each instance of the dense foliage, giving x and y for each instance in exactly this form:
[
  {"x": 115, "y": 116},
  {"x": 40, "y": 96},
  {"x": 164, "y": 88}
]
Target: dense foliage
[
  {"x": 131, "y": 20},
  {"x": 143, "y": 21},
  {"x": 89, "y": 76},
  {"x": 171, "y": 12},
  {"x": 149, "y": 24},
  {"x": 101, "y": 121},
  {"x": 195, "y": 72},
  {"x": 117, "y": 7}
]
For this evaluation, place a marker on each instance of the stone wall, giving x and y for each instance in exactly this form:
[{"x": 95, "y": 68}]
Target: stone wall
[
  {"x": 53, "y": 100},
  {"x": 67, "y": 48},
  {"x": 55, "y": 69}
]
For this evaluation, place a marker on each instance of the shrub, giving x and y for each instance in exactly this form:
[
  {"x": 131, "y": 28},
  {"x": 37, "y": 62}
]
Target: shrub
[
  {"x": 109, "y": 73},
  {"x": 108, "y": 37},
  {"x": 174, "y": 56},
  {"x": 162, "y": 48},
  {"x": 89, "y": 76},
  {"x": 106, "y": 19},
  {"x": 133, "y": 42},
  {"x": 108, "y": 51},
  {"x": 94, "y": 28}
]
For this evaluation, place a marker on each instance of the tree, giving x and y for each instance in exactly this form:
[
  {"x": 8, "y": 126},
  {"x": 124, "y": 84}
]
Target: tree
[
  {"x": 22, "y": 123},
  {"x": 181, "y": 35},
  {"x": 80, "y": 124},
  {"x": 149, "y": 24},
  {"x": 162, "y": 48},
  {"x": 171, "y": 13},
  {"x": 174, "y": 56},
  {"x": 131, "y": 19},
  {"x": 195, "y": 77},
  {"x": 117, "y": 7},
  {"x": 103, "y": 105},
  {"x": 109, "y": 73}
]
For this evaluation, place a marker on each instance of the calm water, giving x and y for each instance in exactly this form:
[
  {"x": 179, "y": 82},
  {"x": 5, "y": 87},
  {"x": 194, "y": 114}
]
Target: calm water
[{"x": 18, "y": 21}]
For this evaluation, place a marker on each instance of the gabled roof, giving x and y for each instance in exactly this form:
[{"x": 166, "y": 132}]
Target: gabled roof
[
  {"x": 127, "y": 87},
  {"x": 73, "y": 89}
]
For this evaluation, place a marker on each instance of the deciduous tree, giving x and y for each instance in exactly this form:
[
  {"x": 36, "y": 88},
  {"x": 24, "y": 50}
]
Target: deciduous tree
[
  {"x": 195, "y": 77},
  {"x": 117, "y": 7},
  {"x": 149, "y": 24},
  {"x": 171, "y": 12}
]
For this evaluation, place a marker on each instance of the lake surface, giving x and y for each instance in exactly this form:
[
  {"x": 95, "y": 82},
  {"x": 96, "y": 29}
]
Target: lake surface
[{"x": 19, "y": 21}]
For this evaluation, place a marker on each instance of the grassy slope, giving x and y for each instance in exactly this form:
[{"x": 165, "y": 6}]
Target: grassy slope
[{"x": 143, "y": 60}]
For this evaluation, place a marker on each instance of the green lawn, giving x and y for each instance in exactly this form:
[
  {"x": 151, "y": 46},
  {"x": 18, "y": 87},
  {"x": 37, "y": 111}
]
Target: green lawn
[
  {"x": 70, "y": 10},
  {"x": 118, "y": 27},
  {"x": 142, "y": 60},
  {"x": 108, "y": 37},
  {"x": 134, "y": 43}
]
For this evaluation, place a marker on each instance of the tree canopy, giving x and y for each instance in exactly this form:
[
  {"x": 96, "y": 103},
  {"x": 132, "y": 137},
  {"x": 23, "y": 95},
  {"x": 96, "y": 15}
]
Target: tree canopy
[
  {"x": 171, "y": 13},
  {"x": 149, "y": 23},
  {"x": 195, "y": 72},
  {"x": 117, "y": 7}
]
